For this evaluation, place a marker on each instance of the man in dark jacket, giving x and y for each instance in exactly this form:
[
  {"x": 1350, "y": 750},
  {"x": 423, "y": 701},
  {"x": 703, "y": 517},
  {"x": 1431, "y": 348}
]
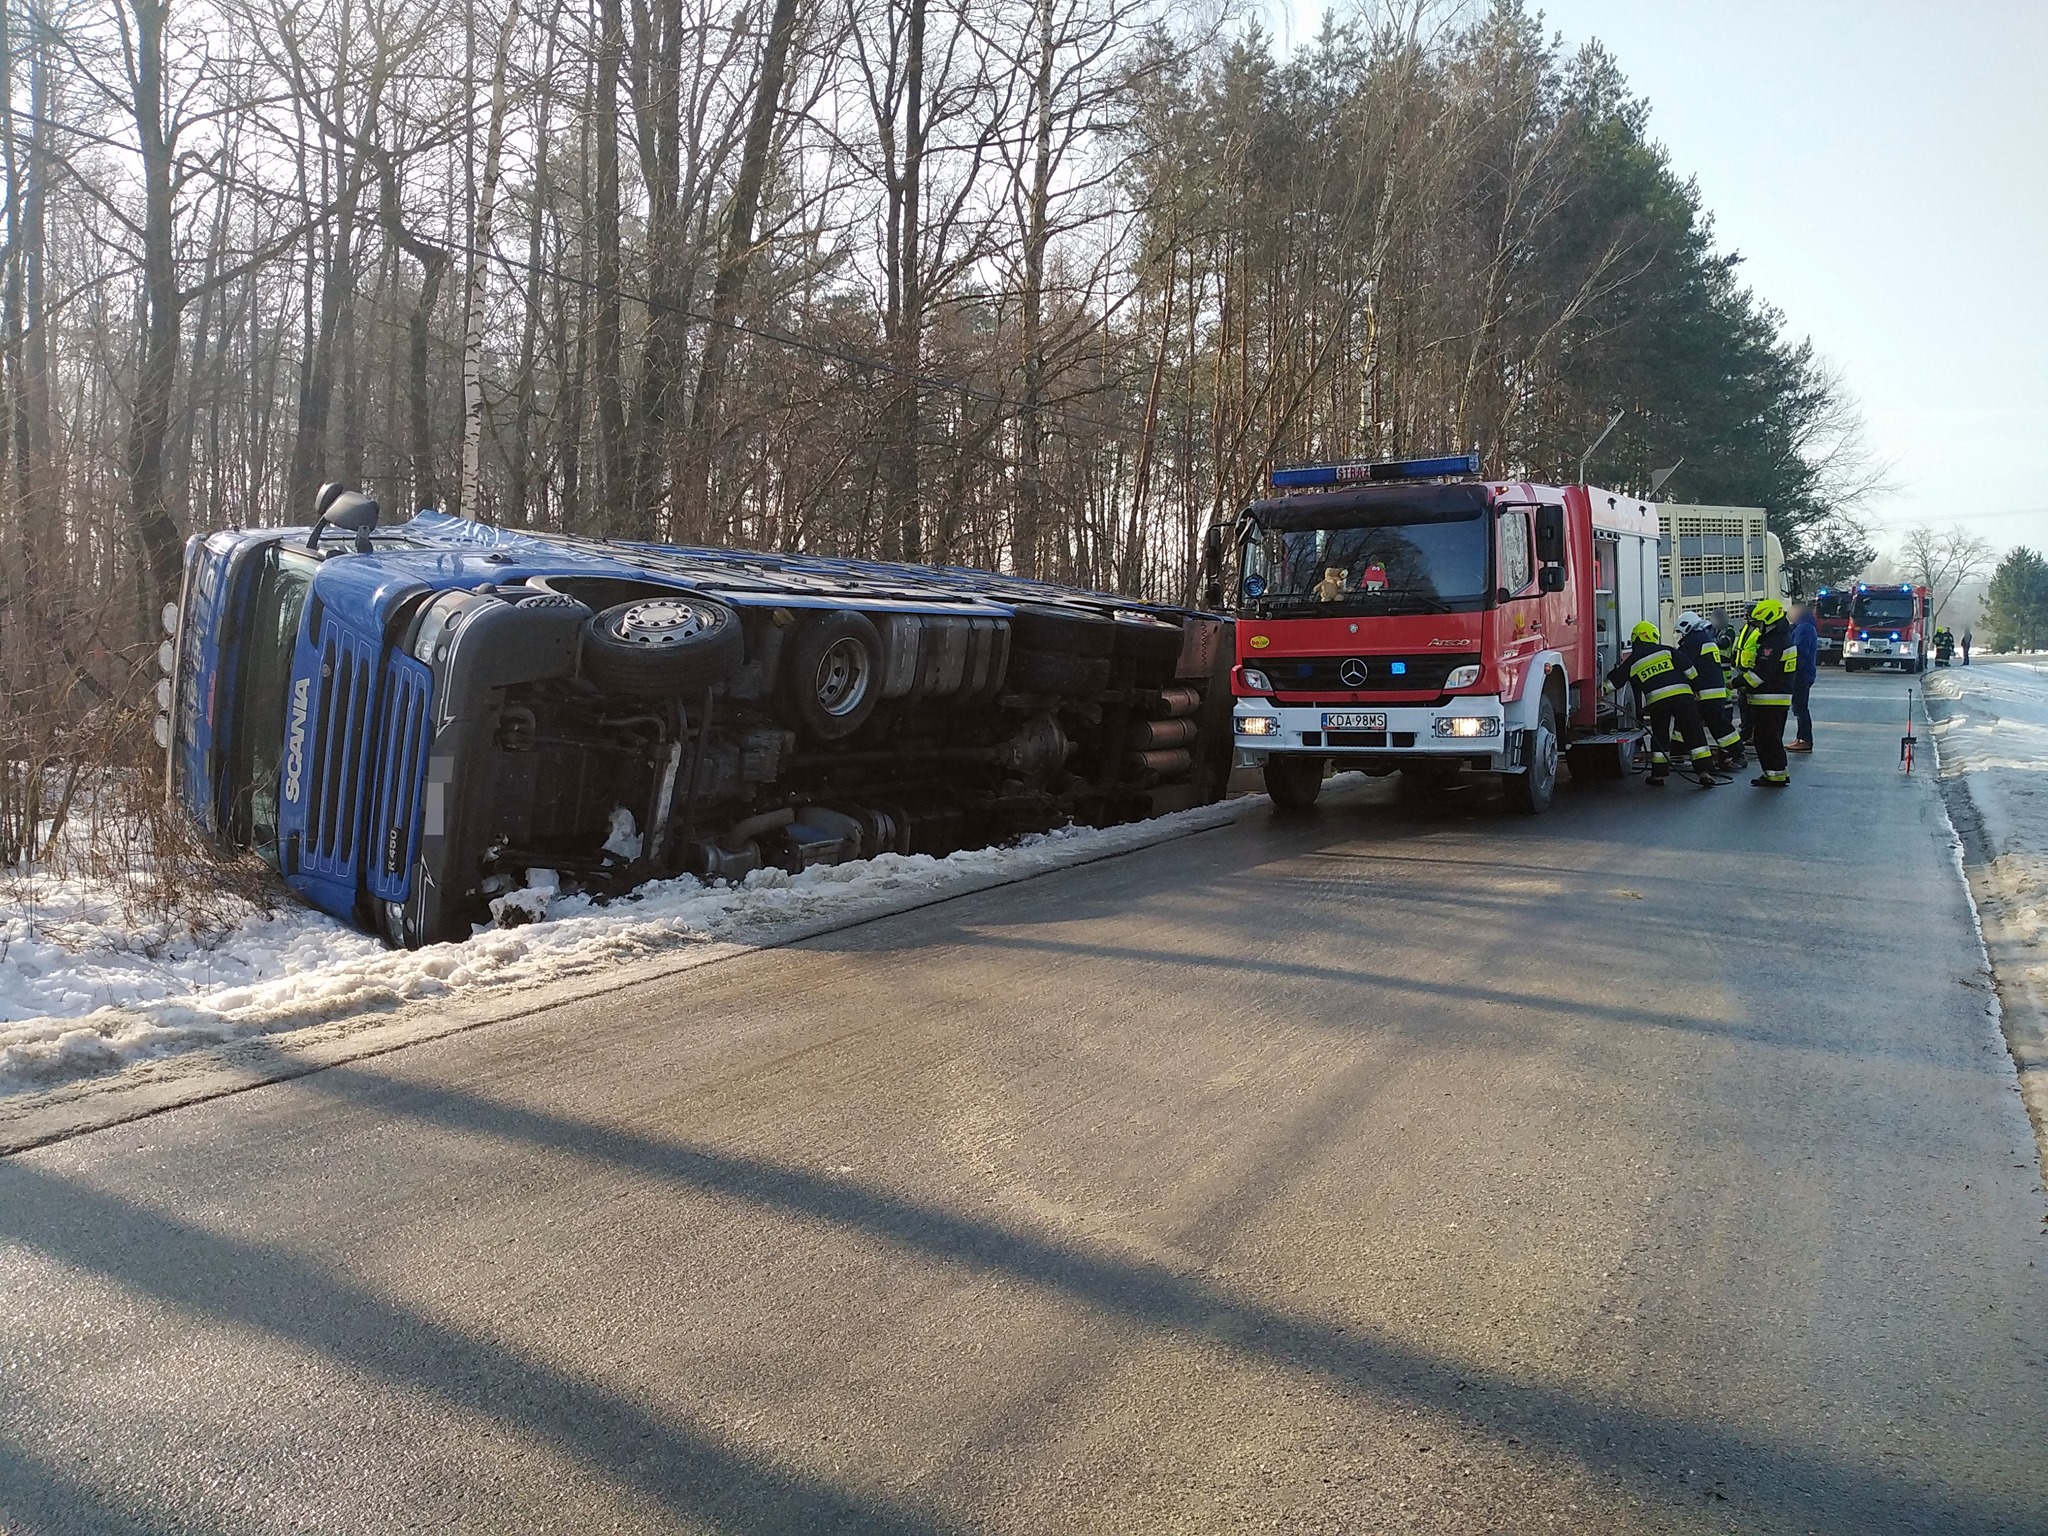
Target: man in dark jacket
[
  {"x": 1699, "y": 650},
  {"x": 1806, "y": 641},
  {"x": 1764, "y": 671},
  {"x": 1665, "y": 700}
]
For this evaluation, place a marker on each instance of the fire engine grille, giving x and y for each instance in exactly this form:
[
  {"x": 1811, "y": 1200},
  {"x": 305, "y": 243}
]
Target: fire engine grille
[
  {"x": 334, "y": 770},
  {"x": 1382, "y": 674},
  {"x": 401, "y": 768}
]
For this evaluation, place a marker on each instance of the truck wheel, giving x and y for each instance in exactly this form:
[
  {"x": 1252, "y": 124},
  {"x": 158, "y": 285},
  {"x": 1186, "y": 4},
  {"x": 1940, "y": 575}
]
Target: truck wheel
[
  {"x": 1057, "y": 672},
  {"x": 832, "y": 674},
  {"x": 662, "y": 647},
  {"x": 1035, "y": 627},
  {"x": 1294, "y": 782},
  {"x": 1531, "y": 790}
]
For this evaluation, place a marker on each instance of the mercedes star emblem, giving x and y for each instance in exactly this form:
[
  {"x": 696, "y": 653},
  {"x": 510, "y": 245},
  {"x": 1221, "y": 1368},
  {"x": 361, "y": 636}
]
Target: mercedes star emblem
[{"x": 1352, "y": 672}]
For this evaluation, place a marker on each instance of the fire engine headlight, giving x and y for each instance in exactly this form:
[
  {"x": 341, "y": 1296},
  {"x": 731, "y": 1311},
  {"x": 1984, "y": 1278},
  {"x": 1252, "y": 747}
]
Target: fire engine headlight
[
  {"x": 1258, "y": 725},
  {"x": 1466, "y": 725},
  {"x": 1256, "y": 680},
  {"x": 1463, "y": 677}
]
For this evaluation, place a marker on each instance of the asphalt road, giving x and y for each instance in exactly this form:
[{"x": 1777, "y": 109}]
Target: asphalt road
[{"x": 1654, "y": 1165}]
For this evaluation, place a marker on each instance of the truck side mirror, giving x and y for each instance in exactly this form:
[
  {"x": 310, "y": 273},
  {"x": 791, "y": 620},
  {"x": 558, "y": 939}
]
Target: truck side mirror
[
  {"x": 1789, "y": 584},
  {"x": 1550, "y": 537},
  {"x": 1212, "y": 554},
  {"x": 350, "y": 510},
  {"x": 1551, "y": 578}
]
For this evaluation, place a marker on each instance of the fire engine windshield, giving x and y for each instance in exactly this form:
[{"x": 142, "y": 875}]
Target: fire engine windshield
[
  {"x": 1832, "y": 605},
  {"x": 1890, "y": 609},
  {"x": 269, "y": 632},
  {"x": 1429, "y": 565}
]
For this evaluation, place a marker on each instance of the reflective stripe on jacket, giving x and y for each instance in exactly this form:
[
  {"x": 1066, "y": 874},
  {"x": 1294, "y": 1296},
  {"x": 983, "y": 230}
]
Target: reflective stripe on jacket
[
  {"x": 1698, "y": 649},
  {"x": 1770, "y": 661},
  {"x": 1655, "y": 671}
]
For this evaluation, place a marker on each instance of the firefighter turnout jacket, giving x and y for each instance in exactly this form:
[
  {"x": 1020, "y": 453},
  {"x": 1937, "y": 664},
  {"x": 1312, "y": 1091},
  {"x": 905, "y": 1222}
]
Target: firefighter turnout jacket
[
  {"x": 1766, "y": 662},
  {"x": 1698, "y": 649},
  {"x": 1656, "y": 672}
]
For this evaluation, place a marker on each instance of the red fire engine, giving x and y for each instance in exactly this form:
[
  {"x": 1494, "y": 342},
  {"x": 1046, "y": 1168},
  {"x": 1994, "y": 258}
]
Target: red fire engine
[
  {"x": 1407, "y": 616},
  {"x": 1889, "y": 626}
]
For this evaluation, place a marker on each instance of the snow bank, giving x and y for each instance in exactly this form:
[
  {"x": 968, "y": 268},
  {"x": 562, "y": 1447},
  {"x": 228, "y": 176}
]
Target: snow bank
[
  {"x": 1991, "y": 725},
  {"x": 82, "y": 995}
]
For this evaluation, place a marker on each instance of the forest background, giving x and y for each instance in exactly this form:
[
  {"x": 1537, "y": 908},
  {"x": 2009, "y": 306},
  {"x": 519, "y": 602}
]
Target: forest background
[{"x": 1037, "y": 285}]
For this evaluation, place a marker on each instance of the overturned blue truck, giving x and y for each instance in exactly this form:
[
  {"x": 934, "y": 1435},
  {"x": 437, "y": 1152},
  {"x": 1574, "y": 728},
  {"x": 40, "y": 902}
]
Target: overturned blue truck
[{"x": 403, "y": 721}]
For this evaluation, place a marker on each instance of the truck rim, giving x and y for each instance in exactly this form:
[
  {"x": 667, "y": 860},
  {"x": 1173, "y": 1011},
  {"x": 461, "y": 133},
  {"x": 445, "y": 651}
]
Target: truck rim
[
  {"x": 843, "y": 674},
  {"x": 664, "y": 622}
]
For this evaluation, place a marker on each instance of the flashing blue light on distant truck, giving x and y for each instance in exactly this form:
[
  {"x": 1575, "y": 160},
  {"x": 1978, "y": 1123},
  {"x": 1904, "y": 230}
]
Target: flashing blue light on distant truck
[{"x": 1369, "y": 472}]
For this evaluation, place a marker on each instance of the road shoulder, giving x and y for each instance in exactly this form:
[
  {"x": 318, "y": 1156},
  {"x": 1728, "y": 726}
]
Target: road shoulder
[{"x": 1990, "y": 806}]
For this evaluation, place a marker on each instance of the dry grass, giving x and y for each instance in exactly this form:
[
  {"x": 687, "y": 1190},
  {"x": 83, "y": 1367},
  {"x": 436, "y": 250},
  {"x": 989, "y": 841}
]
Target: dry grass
[{"x": 82, "y": 805}]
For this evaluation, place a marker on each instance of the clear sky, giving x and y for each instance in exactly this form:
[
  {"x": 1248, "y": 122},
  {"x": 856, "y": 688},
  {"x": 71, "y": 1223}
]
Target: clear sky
[{"x": 1882, "y": 166}]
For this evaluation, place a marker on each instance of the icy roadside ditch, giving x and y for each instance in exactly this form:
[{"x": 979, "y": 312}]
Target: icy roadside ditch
[
  {"x": 1991, "y": 727},
  {"x": 81, "y": 996}
]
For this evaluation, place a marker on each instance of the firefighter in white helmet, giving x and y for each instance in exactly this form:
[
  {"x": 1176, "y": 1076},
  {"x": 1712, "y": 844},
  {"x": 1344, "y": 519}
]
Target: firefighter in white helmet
[{"x": 1698, "y": 648}]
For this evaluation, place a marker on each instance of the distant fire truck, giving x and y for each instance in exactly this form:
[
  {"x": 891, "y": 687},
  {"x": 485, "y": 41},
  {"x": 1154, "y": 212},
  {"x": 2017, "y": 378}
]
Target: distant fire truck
[
  {"x": 1831, "y": 619},
  {"x": 1407, "y": 616},
  {"x": 1889, "y": 626}
]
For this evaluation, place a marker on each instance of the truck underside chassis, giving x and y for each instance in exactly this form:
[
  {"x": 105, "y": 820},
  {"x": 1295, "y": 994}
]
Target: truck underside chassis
[{"x": 738, "y": 739}]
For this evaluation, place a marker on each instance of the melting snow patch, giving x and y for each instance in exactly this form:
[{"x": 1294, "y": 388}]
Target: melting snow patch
[{"x": 82, "y": 995}]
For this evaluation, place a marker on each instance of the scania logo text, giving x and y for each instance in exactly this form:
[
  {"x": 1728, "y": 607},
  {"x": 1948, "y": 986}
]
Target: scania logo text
[
  {"x": 1352, "y": 672},
  {"x": 295, "y": 740}
]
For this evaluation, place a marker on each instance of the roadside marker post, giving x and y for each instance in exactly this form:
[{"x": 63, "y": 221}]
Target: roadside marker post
[{"x": 1908, "y": 741}]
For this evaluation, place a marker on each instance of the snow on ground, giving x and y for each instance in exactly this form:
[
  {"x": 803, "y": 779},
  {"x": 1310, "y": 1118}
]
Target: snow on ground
[
  {"x": 82, "y": 994},
  {"x": 1991, "y": 726}
]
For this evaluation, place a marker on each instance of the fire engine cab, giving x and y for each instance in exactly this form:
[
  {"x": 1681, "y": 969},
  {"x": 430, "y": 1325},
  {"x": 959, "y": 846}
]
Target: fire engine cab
[{"x": 1406, "y": 616}]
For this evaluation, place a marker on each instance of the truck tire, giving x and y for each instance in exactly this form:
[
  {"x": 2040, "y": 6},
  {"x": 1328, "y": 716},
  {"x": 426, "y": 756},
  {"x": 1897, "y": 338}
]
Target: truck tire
[
  {"x": 1293, "y": 781},
  {"x": 1532, "y": 790},
  {"x": 832, "y": 674},
  {"x": 1038, "y": 627},
  {"x": 1057, "y": 672},
  {"x": 664, "y": 646}
]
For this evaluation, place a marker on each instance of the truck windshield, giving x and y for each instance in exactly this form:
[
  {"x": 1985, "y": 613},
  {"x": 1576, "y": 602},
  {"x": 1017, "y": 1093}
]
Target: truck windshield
[
  {"x": 1425, "y": 566},
  {"x": 1832, "y": 605},
  {"x": 1887, "y": 608},
  {"x": 269, "y": 633}
]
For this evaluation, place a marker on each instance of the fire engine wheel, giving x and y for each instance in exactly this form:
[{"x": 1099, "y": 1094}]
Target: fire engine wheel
[
  {"x": 832, "y": 675},
  {"x": 662, "y": 646},
  {"x": 1294, "y": 782},
  {"x": 1531, "y": 790}
]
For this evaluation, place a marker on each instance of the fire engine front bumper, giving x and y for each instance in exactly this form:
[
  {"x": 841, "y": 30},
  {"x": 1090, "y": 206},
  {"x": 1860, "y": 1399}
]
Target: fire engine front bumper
[{"x": 1471, "y": 731}]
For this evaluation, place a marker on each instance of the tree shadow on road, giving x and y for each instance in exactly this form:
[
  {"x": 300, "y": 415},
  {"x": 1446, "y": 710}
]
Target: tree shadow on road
[{"x": 262, "y": 1288}]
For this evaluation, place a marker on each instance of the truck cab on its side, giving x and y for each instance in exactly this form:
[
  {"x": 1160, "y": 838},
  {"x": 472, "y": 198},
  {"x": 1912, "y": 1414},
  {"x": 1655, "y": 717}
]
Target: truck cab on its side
[
  {"x": 404, "y": 722},
  {"x": 1407, "y": 616}
]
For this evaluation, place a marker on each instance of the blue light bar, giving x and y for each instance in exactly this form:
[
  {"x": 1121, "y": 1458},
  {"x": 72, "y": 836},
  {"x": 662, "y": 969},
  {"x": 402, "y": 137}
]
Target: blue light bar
[{"x": 1374, "y": 472}]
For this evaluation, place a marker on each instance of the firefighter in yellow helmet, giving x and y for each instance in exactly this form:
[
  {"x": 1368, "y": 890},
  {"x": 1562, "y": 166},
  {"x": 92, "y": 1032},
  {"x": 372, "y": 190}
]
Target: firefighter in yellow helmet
[
  {"x": 1766, "y": 663},
  {"x": 1664, "y": 685}
]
